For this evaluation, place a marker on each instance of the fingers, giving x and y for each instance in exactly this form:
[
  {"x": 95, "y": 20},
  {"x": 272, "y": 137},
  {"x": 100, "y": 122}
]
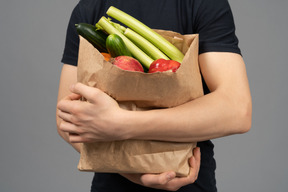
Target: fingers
[
  {"x": 194, "y": 162},
  {"x": 193, "y": 174},
  {"x": 168, "y": 180},
  {"x": 69, "y": 128},
  {"x": 64, "y": 114},
  {"x": 75, "y": 138},
  {"x": 73, "y": 96},
  {"x": 87, "y": 92},
  {"x": 75, "y": 133},
  {"x": 197, "y": 155},
  {"x": 154, "y": 180},
  {"x": 65, "y": 104},
  {"x": 71, "y": 110},
  {"x": 197, "y": 158}
]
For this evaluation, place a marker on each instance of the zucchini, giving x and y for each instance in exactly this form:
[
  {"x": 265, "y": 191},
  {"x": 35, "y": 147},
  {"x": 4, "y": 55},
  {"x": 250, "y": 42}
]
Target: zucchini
[
  {"x": 116, "y": 46},
  {"x": 96, "y": 37}
]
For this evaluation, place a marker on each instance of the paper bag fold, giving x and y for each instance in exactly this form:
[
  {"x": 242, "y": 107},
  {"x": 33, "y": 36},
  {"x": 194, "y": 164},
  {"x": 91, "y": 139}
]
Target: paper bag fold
[{"x": 134, "y": 156}]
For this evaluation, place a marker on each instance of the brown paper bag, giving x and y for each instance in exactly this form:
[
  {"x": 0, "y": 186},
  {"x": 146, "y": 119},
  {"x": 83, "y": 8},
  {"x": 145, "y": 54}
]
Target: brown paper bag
[{"x": 141, "y": 91}]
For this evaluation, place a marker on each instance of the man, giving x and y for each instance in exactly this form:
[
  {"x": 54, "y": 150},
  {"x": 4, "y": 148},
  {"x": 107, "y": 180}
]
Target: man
[{"x": 224, "y": 110}]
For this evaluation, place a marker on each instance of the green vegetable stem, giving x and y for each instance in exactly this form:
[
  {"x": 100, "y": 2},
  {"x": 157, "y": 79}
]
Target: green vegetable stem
[
  {"x": 160, "y": 42},
  {"x": 141, "y": 56}
]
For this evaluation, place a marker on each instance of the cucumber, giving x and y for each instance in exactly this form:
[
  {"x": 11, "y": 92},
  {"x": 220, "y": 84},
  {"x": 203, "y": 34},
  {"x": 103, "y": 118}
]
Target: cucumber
[
  {"x": 96, "y": 37},
  {"x": 116, "y": 46}
]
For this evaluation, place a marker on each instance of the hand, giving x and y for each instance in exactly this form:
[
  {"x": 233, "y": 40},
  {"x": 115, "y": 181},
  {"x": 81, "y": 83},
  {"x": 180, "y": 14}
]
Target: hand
[
  {"x": 94, "y": 120},
  {"x": 168, "y": 180}
]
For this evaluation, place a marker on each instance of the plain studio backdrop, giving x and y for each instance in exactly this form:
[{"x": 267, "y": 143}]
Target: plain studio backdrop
[{"x": 34, "y": 158}]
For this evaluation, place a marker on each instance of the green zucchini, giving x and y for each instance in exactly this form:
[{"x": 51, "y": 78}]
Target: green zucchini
[
  {"x": 116, "y": 46},
  {"x": 96, "y": 37}
]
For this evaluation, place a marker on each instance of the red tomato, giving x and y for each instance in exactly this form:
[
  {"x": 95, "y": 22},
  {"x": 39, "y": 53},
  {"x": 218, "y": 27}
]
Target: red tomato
[{"x": 161, "y": 65}]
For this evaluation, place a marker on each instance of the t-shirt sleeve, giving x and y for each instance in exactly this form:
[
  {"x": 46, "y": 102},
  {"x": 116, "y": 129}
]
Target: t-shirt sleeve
[
  {"x": 70, "y": 54},
  {"x": 216, "y": 28}
]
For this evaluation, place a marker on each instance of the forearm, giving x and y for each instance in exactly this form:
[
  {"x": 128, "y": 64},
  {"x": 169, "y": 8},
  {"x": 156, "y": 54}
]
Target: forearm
[
  {"x": 68, "y": 77},
  {"x": 211, "y": 116},
  {"x": 225, "y": 111}
]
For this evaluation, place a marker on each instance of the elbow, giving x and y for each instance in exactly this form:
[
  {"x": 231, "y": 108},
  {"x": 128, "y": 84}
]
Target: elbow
[
  {"x": 244, "y": 118},
  {"x": 246, "y": 125}
]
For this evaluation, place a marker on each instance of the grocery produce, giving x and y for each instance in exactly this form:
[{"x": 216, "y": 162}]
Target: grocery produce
[
  {"x": 127, "y": 63},
  {"x": 116, "y": 46},
  {"x": 137, "y": 53},
  {"x": 161, "y": 65},
  {"x": 107, "y": 56},
  {"x": 138, "y": 41},
  {"x": 160, "y": 42},
  {"x": 144, "y": 44},
  {"x": 96, "y": 37}
]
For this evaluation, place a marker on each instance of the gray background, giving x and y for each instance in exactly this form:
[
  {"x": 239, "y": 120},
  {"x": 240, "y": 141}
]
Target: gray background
[{"x": 34, "y": 158}]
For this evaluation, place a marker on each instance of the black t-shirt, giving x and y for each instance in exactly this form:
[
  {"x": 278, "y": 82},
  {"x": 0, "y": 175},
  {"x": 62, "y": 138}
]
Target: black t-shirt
[{"x": 211, "y": 19}]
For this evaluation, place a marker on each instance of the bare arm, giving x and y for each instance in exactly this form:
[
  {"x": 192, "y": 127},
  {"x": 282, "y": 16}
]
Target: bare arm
[
  {"x": 225, "y": 111},
  {"x": 68, "y": 77}
]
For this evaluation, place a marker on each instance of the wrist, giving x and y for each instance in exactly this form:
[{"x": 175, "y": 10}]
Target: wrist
[
  {"x": 139, "y": 124},
  {"x": 123, "y": 125},
  {"x": 131, "y": 124}
]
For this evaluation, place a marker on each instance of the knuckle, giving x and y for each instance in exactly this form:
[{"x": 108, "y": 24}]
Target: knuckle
[
  {"x": 61, "y": 125},
  {"x": 75, "y": 109},
  {"x": 59, "y": 104}
]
